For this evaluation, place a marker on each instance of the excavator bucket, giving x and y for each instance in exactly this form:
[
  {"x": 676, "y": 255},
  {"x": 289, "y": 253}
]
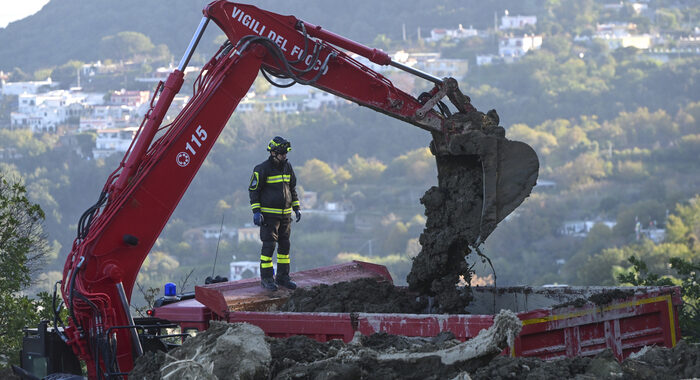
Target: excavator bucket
[{"x": 478, "y": 163}]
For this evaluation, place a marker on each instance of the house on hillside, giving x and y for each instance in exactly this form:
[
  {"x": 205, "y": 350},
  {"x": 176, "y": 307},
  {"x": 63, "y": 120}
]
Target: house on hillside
[
  {"x": 518, "y": 46},
  {"x": 113, "y": 140},
  {"x": 45, "y": 112},
  {"x": 248, "y": 233},
  {"x": 129, "y": 98},
  {"x": 516, "y": 22},
  {"x": 19, "y": 88},
  {"x": 241, "y": 270},
  {"x": 581, "y": 228},
  {"x": 452, "y": 34}
]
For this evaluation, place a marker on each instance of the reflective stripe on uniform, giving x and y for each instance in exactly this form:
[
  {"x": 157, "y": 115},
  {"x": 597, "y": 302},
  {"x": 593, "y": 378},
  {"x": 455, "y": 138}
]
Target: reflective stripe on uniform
[
  {"x": 265, "y": 258},
  {"x": 253, "y": 206},
  {"x": 265, "y": 265},
  {"x": 295, "y": 203},
  {"x": 278, "y": 178},
  {"x": 282, "y": 259},
  {"x": 276, "y": 210}
]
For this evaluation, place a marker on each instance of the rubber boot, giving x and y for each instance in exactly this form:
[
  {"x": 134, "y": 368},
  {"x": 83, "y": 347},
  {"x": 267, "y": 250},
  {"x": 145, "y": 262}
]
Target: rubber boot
[
  {"x": 268, "y": 283},
  {"x": 283, "y": 279}
]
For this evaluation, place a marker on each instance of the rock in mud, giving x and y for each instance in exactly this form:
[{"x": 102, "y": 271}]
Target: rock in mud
[{"x": 224, "y": 351}]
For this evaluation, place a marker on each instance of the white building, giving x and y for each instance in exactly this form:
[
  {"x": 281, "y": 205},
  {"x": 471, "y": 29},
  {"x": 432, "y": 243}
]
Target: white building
[
  {"x": 248, "y": 233},
  {"x": 639, "y": 41},
  {"x": 458, "y": 34},
  {"x": 94, "y": 123},
  {"x": 129, "y": 98},
  {"x": 18, "y": 88},
  {"x": 518, "y": 46},
  {"x": 44, "y": 112},
  {"x": 580, "y": 228},
  {"x": 292, "y": 99},
  {"x": 106, "y": 117},
  {"x": 516, "y": 22},
  {"x": 162, "y": 73},
  {"x": 240, "y": 270},
  {"x": 110, "y": 141},
  {"x": 332, "y": 211}
]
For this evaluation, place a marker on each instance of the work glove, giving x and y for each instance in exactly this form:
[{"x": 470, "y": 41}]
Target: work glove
[
  {"x": 258, "y": 218},
  {"x": 298, "y": 214}
]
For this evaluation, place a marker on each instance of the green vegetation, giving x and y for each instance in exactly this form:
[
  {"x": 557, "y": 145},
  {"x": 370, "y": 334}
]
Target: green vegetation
[
  {"x": 687, "y": 277},
  {"x": 23, "y": 247}
]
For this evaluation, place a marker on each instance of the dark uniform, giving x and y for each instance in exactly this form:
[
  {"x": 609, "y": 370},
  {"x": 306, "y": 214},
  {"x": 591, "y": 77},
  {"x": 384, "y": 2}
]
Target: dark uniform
[{"x": 273, "y": 193}]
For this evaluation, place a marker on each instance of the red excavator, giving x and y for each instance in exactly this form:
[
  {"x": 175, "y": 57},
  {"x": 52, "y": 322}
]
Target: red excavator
[{"x": 116, "y": 234}]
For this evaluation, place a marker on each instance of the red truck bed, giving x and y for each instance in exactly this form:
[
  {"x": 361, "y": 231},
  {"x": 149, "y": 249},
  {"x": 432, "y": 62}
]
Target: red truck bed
[{"x": 624, "y": 319}]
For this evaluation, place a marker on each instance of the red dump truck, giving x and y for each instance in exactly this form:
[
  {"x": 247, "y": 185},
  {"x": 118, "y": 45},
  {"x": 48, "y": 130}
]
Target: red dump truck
[{"x": 558, "y": 322}]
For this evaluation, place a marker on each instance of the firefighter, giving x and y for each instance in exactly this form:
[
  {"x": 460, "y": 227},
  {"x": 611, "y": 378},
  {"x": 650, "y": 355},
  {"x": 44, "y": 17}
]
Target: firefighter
[{"x": 273, "y": 197}]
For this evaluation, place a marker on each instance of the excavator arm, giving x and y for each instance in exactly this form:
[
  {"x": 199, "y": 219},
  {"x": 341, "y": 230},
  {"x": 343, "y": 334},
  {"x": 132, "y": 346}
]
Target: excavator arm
[{"x": 116, "y": 234}]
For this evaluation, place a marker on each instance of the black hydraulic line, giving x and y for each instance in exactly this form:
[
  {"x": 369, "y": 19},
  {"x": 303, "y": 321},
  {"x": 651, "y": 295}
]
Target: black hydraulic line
[
  {"x": 57, "y": 312},
  {"x": 287, "y": 71},
  {"x": 444, "y": 109},
  {"x": 87, "y": 218}
]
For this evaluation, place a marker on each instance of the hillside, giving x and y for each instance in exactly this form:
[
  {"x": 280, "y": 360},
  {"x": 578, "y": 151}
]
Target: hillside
[{"x": 72, "y": 29}]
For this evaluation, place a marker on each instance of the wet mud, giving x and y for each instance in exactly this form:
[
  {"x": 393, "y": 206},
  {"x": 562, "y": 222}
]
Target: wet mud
[
  {"x": 482, "y": 177},
  {"x": 241, "y": 351},
  {"x": 651, "y": 363},
  {"x": 359, "y": 296},
  {"x": 458, "y": 219}
]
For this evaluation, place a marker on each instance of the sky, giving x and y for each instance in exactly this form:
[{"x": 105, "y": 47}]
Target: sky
[{"x": 13, "y": 10}]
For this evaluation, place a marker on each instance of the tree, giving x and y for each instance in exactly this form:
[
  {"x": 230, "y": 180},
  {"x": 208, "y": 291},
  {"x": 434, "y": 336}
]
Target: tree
[
  {"x": 22, "y": 248},
  {"x": 67, "y": 73},
  {"x": 363, "y": 169},
  {"x": 125, "y": 45},
  {"x": 316, "y": 175},
  {"x": 584, "y": 170},
  {"x": 689, "y": 281},
  {"x": 417, "y": 166}
]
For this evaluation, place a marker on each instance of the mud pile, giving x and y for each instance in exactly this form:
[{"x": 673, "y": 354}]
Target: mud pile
[
  {"x": 241, "y": 351},
  {"x": 651, "y": 363},
  {"x": 361, "y": 296}
]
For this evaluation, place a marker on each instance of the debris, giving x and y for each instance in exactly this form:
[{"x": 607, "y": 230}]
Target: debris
[
  {"x": 211, "y": 355},
  {"x": 223, "y": 351}
]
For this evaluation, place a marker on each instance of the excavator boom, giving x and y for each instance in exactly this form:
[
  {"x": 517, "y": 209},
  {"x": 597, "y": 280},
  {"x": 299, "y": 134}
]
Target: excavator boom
[{"x": 116, "y": 234}]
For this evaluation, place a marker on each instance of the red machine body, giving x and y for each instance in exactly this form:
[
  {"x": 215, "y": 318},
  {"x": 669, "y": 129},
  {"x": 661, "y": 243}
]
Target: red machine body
[
  {"x": 117, "y": 233},
  {"x": 558, "y": 322}
]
